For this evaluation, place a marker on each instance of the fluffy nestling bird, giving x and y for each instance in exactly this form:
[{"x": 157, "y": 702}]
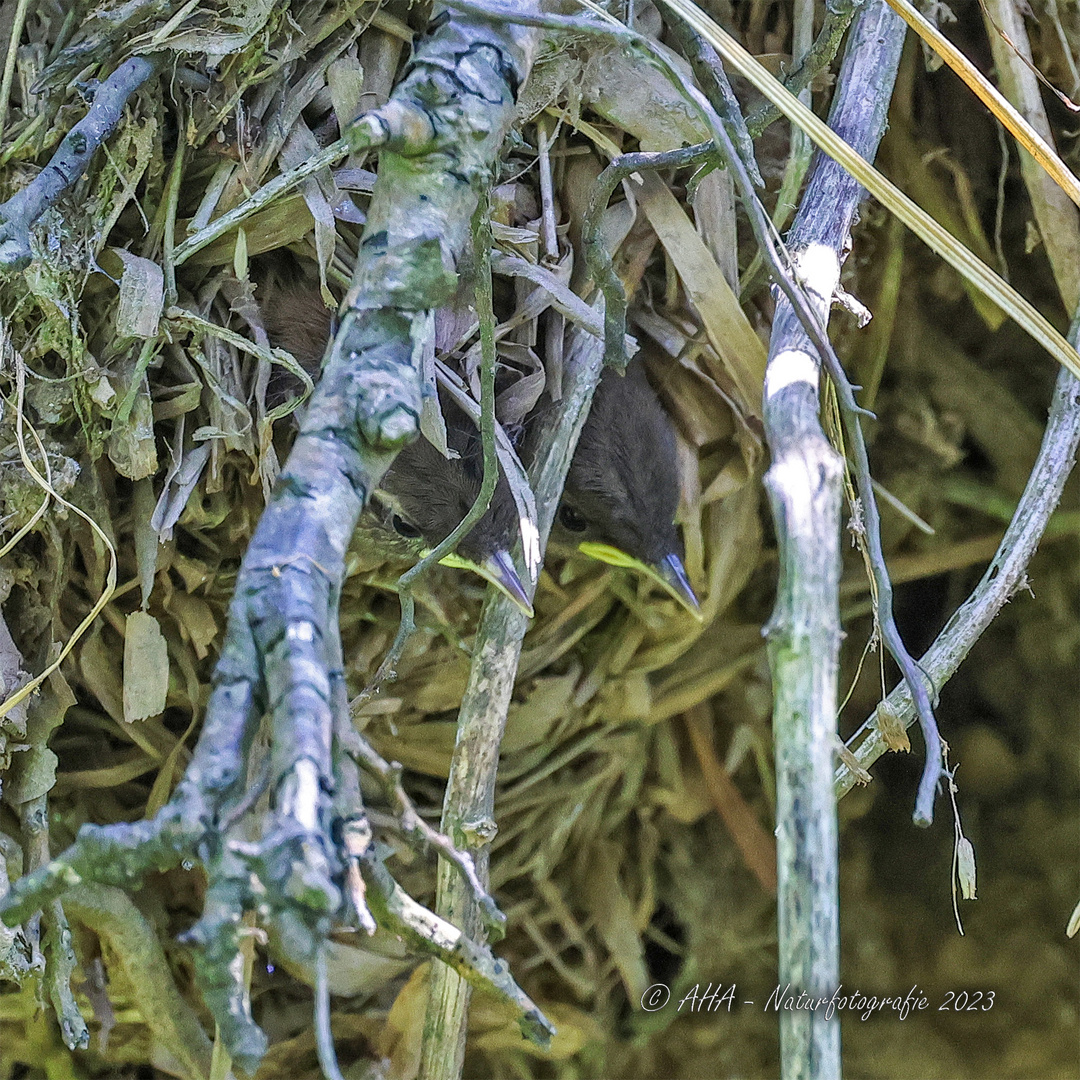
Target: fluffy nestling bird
[
  {"x": 423, "y": 495},
  {"x": 622, "y": 490}
]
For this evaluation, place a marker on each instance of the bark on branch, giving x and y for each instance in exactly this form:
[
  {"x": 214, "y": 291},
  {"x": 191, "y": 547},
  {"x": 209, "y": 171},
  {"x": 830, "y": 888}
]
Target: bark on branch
[
  {"x": 443, "y": 130},
  {"x": 805, "y": 489},
  {"x": 22, "y": 210}
]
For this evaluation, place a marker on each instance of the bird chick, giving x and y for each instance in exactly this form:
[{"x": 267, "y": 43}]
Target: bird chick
[
  {"x": 622, "y": 490},
  {"x": 423, "y": 495}
]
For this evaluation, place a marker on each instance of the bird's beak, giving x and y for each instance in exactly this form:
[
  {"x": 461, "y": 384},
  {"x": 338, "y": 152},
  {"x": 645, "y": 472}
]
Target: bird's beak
[
  {"x": 499, "y": 569},
  {"x": 669, "y": 572}
]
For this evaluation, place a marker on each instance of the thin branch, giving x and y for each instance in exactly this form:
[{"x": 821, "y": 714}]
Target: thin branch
[
  {"x": 709, "y": 72},
  {"x": 804, "y": 637},
  {"x": 804, "y": 486},
  {"x": 482, "y": 247},
  {"x": 838, "y": 16},
  {"x": 418, "y": 831},
  {"x": 436, "y": 937},
  {"x": 22, "y": 210},
  {"x": 470, "y": 793},
  {"x": 1004, "y": 576},
  {"x": 597, "y": 257}
]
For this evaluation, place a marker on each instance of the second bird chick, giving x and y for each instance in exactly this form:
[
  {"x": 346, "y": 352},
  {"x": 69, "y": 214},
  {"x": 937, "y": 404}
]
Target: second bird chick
[{"x": 622, "y": 490}]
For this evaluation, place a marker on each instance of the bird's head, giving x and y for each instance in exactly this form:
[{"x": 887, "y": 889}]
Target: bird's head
[
  {"x": 622, "y": 490},
  {"x": 424, "y": 495},
  {"x": 430, "y": 495}
]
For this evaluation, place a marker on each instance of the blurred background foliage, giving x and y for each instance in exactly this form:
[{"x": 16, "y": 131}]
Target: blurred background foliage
[{"x": 635, "y": 790}]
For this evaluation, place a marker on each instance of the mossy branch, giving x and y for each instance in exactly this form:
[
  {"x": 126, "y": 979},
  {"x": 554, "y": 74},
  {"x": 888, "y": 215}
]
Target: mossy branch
[
  {"x": 447, "y": 121},
  {"x": 22, "y": 210}
]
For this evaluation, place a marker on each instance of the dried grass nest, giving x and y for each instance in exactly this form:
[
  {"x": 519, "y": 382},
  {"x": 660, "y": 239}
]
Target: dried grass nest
[{"x": 613, "y": 868}]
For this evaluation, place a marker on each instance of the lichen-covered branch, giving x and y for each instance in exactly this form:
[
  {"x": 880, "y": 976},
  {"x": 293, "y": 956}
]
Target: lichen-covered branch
[
  {"x": 22, "y": 210},
  {"x": 804, "y": 485},
  {"x": 482, "y": 237},
  {"x": 443, "y": 128}
]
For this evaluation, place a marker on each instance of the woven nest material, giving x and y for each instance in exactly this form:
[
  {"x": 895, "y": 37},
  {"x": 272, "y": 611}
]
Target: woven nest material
[{"x": 636, "y": 794}]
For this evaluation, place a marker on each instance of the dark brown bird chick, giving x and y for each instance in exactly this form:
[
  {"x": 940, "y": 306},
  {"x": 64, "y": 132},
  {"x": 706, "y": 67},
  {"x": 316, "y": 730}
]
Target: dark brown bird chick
[
  {"x": 622, "y": 490},
  {"x": 424, "y": 495}
]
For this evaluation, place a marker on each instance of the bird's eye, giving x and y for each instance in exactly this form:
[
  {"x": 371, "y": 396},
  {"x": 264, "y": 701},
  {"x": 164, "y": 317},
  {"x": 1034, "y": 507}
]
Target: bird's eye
[
  {"x": 571, "y": 519},
  {"x": 403, "y": 528}
]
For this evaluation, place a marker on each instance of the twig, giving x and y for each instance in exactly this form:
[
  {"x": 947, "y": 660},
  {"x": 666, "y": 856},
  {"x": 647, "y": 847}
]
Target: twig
[
  {"x": 266, "y": 195},
  {"x": 1058, "y": 224},
  {"x": 804, "y": 486},
  {"x": 838, "y": 16},
  {"x": 399, "y": 127},
  {"x": 45, "y": 713},
  {"x": 709, "y": 72},
  {"x": 597, "y": 257},
  {"x": 16, "y": 24},
  {"x": 470, "y": 792},
  {"x": 324, "y": 1037},
  {"x": 801, "y": 149},
  {"x": 418, "y": 831},
  {"x": 22, "y": 210},
  {"x": 56, "y": 947},
  {"x": 402, "y": 915}
]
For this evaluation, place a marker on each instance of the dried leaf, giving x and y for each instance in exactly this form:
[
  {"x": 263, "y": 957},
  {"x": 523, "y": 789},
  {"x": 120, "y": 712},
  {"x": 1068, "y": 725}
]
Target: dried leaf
[
  {"x": 146, "y": 538},
  {"x": 146, "y": 667},
  {"x": 345, "y": 77},
  {"x": 196, "y": 620},
  {"x": 97, "y": 665},
  {"x": 728, "y": 328},
  {"x": 1074, "y": 922},
  {"x": 531, "y": 721},
  {"x": 142, "y": 297},
  {"x": 320, "y": 192},
  {"x": 614, "y": 915},
  {"x": 965, "y": 867},
  {"x": 132, "y": 446},
  {"x": 184, "y": 475},
  {"x": 32, "y": 774}
]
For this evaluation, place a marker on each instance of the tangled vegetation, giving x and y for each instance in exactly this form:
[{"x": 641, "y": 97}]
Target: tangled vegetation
[{"x": 147, "y": 415}]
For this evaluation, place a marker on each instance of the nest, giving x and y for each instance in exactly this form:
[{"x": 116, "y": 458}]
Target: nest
[{"x": 636, "y": 793}]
